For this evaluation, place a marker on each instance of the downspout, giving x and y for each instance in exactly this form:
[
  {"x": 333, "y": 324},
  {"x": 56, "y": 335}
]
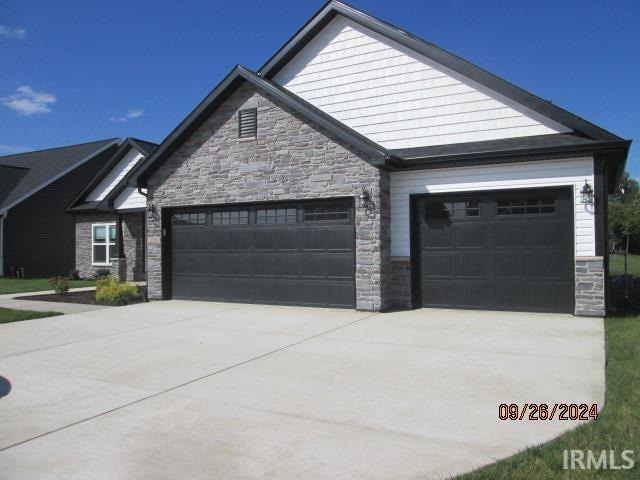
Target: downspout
[
  {"x": 144, "y": 236},
  {"x": 122, "y": 261},
  {"x": 3, "y": 215}
]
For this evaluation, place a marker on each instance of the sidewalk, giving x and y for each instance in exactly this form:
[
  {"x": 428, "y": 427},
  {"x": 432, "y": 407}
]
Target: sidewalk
[{"x": 8, "y": 300}]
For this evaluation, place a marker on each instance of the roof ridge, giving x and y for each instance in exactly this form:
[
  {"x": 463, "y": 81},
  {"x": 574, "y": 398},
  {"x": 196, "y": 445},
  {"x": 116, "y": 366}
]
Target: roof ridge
[{"x": 61, "y": 147}]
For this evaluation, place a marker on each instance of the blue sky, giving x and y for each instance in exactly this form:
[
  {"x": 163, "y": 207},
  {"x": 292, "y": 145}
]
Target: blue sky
[{"x": 75, "y": 71}]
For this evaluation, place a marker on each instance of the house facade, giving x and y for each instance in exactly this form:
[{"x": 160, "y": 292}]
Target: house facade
[
  {"x": 109, "y": 217},
  {"x": 37, "y": 237},
  {"x": 364, "y": 168}
]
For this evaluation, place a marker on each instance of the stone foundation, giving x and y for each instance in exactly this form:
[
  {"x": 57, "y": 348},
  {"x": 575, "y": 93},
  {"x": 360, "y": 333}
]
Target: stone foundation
[{"x": 590, "y": 295}]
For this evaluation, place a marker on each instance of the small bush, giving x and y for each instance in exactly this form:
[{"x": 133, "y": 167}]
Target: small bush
[
  {"x": 111, "y": 291},
  {"x": 102, "y": 273},
  {"x": 74, "y": 275},
  {"x": 60, "y": 284}
]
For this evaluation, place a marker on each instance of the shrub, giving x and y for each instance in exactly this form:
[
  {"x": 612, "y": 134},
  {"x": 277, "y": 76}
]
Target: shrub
[
  {"x": 111, "y": 291},
  {"x": 74, "y": 274},
  {"x": 102, "y": 273},
  {"x": 60, "y": 285}
]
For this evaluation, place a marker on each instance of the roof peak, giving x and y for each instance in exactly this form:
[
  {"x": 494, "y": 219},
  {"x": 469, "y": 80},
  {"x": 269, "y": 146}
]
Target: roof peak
[{"x": 439, "y": 55}]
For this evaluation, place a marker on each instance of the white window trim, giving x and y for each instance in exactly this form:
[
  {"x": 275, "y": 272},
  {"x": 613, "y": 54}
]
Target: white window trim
[{"x": 107, "y": 243}]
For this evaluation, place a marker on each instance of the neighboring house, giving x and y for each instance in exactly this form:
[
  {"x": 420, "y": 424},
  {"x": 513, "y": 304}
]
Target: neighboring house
[
  {"x": 110, "y": 216},
  {"x": 362, "y": 167},
  {"x": 37, "y": 238}
]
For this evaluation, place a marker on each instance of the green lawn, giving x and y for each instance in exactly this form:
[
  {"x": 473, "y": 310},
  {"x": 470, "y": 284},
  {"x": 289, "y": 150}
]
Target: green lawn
[
  {"x": 20, "y": 285},
  {"x": 616, "y": 265},
  {"x": 617, "y": 427},
  {"x": 8, "y": 315}
]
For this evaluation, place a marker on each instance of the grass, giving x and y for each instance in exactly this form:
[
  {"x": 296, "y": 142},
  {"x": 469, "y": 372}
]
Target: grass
[
  {"x": 8, "y": 315},
  {"x": 617, "y": 427},
  {"x": 21, "y": 285},
  {"x": 616, "y": 265}
]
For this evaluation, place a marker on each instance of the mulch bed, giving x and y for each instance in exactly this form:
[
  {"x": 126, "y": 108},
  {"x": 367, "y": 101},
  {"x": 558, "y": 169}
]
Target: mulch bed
[{"x": 87, "y": 297}]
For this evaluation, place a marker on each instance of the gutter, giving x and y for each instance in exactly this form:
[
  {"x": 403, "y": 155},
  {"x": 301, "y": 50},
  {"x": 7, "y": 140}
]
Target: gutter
[{"x": 443, "y": 161}]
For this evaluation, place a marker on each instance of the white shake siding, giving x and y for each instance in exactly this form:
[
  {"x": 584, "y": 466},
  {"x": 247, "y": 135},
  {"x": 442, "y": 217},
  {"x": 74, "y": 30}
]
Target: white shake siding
[
  {"x": 398, "y": 98},
  {"x": 115, "y": 175},
  {"x": 130, "y": 198},
  {"x": 539, "y": 174}
]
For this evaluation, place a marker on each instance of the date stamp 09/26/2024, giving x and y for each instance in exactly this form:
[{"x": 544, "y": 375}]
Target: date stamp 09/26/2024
[{"x": 543, "y": 411}]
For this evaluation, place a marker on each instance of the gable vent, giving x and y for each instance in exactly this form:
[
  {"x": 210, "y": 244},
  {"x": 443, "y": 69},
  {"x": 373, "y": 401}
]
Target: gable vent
[{"x": 248, "y": 123}]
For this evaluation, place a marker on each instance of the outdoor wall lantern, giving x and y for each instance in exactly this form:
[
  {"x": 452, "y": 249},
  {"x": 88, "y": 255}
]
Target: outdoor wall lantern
[
  {"x": 364, "y": 198},
  {"x": 586, "y": 193}
]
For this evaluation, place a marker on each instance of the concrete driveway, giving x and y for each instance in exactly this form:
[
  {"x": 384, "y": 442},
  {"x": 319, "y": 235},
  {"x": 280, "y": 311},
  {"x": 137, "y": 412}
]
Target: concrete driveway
[{"x": 196, "y": 390}]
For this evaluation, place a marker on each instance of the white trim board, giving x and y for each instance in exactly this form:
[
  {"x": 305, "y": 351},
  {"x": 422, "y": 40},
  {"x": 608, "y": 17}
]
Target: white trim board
[
  {"x": 555, "y": 173},
  {"x": 113, "y": 177}
]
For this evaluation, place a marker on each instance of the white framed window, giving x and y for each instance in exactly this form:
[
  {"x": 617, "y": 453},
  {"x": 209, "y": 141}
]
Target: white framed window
[{"x": 103, "y": 243}]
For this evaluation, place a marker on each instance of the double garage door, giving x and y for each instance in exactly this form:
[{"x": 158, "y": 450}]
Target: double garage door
[
  {"x": 496, "y": 251},
  {"x": 287, "y": 254}
]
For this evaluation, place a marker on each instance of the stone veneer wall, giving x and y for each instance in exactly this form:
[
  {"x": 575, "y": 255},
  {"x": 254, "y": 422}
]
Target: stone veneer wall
[
  {"x": 131, "y": 267},
  {"x": 290, "y": 159},
  {"x": 401, "y": 267},
  {"x": 133, "y": 241},
  {"x": 590, "y": 293},
  {"x": 83, "y": 243}
]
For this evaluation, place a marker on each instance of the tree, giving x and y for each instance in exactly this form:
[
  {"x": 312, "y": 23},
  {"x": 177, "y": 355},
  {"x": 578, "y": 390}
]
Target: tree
[{"x": 624, "y": 216}]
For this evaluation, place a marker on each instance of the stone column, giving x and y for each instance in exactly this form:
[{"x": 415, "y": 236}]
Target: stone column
[{"x": 590, "y": 298}]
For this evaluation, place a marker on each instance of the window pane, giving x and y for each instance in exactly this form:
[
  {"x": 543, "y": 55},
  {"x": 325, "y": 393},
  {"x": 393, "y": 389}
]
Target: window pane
[
  {"x": 113, "y": 235},
  {"x": 318, "y": 214},
  {"x": 99, "y": 234},
  {"x": 113, "y": 252},
  {"x": 99, "y": 253}
]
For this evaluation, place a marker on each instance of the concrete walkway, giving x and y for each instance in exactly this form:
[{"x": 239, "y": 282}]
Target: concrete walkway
[
  {"x": 9, "y": 300},
  {"x": 194, "y": 390}
]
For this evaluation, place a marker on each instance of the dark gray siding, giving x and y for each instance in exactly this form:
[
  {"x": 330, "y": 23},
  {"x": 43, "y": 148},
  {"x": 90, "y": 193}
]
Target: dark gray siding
[{"x": 38, "y": 235}]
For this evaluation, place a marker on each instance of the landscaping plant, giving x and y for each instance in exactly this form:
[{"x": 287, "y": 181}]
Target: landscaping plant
[
  {"x": 60, "y": 284},
  {"x": 112, "y": 292}
]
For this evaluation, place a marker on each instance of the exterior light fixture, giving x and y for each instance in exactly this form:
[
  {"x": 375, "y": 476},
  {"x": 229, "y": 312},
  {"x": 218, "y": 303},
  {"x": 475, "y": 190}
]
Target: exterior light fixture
[
  {"x": 586, "y": 194},
  {"x": 151, "y": 208},
  {"x": 363, "y": 198}
]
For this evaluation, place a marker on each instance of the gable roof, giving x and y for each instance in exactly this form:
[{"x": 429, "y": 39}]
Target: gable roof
[
  {"x": 586, "y": 138},
  {"x": 43, "y": 167},
  {"x": 377, "y": 155},
  {"x": 333, "y": 8},
  {"x": 79, "y": 203}
]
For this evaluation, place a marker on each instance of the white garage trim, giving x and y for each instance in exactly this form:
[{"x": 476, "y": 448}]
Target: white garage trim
[{"x": 538, "y": 174}]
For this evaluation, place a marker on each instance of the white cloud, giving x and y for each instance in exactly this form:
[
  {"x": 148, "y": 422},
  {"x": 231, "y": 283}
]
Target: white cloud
[
  {"x": 26, "y": 101},
  {"x": 9, "y": 32},
  {"x": 130, "y": 115}
]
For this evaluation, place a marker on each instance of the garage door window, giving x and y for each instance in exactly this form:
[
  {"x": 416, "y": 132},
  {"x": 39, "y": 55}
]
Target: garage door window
[
  {"x": 190, "y": 218},
  {"x": 320, "y": 214},
  {"x": 230, "y": 217},
  {"x": 526, "y": 207},
  {"x": 271, "y": 216},
  {"x": 466, "y": 208}
]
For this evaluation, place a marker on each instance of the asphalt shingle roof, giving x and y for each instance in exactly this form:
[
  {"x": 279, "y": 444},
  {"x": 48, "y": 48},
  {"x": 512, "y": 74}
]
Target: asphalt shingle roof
[{"x": 42, "y": 166}]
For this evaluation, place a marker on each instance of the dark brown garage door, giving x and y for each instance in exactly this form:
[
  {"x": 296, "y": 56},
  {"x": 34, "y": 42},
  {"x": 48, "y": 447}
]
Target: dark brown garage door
[
  {"x": 286, "y": 254},
  {"x": 504, "y": 251}
]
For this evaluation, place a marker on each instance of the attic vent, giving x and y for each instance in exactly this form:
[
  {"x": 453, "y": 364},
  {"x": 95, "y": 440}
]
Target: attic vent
[{"x": 248, "y": 123}]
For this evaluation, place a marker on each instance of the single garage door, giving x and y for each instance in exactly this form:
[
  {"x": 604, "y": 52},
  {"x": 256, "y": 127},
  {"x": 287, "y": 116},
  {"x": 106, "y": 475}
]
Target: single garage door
[
  {"x": 285, "y": 254},
  {"x": 503, "y": 251}
]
